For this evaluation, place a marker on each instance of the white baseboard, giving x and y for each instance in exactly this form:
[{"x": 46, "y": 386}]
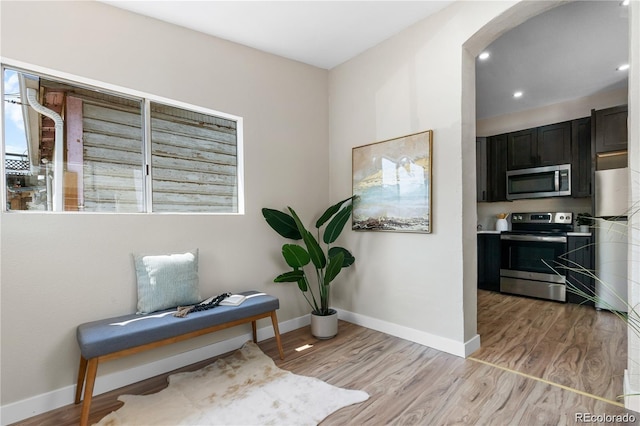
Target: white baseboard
[
  {"x": 471, "y": 345},
  {"x": 42, "y": 403},
  {"x": 426, "y": 339},
  {"x": 631, "y": 396}
]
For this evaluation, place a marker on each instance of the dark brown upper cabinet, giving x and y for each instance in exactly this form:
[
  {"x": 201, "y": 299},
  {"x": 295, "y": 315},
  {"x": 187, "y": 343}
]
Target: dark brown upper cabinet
[
  {"x": 581, "y": 159},
  {"x": 497, "y": 168},
  {"x": 554, "y": 144},
  {"x": 522, "y": 149},
  {"x": 540, "y": 146},
  {"x": 610, "y": 129},
  {"x": 481, "y": 170}
]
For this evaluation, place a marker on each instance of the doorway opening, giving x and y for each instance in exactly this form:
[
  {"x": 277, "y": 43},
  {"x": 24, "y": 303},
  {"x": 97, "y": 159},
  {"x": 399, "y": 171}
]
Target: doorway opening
[{"x": 532, "y": 327}]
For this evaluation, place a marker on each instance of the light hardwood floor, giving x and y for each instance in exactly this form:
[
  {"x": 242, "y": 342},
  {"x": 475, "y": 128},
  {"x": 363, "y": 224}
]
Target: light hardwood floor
[{"x": 540, "y": 364}]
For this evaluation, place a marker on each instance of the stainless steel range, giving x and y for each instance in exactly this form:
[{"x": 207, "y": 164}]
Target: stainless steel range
[{"x": 536, "y": 242}]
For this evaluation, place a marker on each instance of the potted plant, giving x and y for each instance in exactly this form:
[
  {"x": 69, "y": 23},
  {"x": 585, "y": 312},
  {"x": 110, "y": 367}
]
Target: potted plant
[
  {"x": 327, "y": 261},
  {"x": 584, "y": 221}
]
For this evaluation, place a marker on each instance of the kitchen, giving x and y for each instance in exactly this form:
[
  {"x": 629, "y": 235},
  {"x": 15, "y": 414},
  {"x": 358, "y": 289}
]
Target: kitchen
[
  {"x": 572, "y": 110},
  {"x": 540, "y": 154}
]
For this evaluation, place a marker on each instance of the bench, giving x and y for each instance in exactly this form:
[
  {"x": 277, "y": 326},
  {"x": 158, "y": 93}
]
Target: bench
[{"x": 117, "y": 337}]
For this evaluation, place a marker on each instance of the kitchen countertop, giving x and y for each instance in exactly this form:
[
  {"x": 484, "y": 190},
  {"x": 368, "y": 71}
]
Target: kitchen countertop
[{"x": 570, "y": 234}]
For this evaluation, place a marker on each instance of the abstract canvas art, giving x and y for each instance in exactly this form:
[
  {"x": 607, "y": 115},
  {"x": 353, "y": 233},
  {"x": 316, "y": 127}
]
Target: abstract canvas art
[{"x": 392, "y": 181}]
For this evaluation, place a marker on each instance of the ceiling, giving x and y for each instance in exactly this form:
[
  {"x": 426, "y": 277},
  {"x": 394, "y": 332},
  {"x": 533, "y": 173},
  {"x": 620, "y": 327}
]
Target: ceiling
[
  {"x": 319, "y": 33},
  {"x": 568, "y": 52}
]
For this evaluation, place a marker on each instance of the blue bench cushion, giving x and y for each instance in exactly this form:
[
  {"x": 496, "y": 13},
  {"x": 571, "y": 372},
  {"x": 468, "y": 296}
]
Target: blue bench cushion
[{"x": 111, "y": 335}]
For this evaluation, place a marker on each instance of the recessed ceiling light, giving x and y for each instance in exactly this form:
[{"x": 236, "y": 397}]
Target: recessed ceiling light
[
  {"x": 517, "y": 94},
  {"x": 624, "y": 3},
  {"x": 623, "y": 67},
  {"x": 483, "y": 56}
]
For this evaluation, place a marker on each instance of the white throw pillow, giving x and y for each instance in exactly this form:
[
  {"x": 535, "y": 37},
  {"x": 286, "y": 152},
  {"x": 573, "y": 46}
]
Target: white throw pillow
[{"x": 166, "y": 280}]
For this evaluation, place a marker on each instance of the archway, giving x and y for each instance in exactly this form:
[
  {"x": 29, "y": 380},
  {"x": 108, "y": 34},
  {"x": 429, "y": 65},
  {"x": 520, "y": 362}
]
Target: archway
[{"x": 511, "y": 18}]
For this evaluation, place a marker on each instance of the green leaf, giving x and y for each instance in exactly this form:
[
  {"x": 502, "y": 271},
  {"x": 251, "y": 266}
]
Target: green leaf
[
  {"x": 348, "y": 257},
  {"x": 333, "y": 268},
  {"x": 315, "y": 251},
  {"x": 289, "y": 277},
  {"x": 296, "y": 256},
  {"x": 331, "y": 211},
  {"x": 282, "y": 223},
  {"x": 334, "y": 228},
  {"x": 302, "y": 285},
  {"x": 297, "y": 276},
  {"x": 297, "y": 222}
]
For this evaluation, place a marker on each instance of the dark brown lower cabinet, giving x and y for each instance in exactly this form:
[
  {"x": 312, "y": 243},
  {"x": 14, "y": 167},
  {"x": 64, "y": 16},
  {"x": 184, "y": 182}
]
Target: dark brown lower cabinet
[
  {"x": 489, "y": 262},
  {"x": 581, "y": 260}
]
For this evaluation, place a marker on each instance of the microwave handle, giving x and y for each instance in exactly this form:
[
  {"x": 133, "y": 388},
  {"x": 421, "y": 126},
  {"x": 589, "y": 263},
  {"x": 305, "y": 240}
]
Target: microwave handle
[{"x": 557, "y": 180}]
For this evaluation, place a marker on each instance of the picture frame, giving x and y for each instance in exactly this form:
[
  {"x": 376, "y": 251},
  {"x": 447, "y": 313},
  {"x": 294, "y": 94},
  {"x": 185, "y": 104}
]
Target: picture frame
[{"x": 392, "y": 180}]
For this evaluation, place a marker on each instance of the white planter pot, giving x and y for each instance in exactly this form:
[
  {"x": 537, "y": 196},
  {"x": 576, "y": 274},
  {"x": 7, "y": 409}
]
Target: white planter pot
[
  {"x": 324, "y": 326},
  {"x": 584, "y": 228}
]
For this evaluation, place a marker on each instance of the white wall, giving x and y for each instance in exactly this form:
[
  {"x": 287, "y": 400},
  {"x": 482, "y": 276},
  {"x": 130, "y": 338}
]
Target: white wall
[
  {"x": 407, "y": 84},
  {"x": 60, "y": 270}
]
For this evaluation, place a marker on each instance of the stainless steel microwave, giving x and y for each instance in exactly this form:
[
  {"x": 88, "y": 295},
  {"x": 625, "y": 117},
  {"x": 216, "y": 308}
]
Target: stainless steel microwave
[{"x": 539, "y": 182}]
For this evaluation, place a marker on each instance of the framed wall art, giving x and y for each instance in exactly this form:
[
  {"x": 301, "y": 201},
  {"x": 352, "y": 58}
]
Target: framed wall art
[{"x": 392, "y": 180}]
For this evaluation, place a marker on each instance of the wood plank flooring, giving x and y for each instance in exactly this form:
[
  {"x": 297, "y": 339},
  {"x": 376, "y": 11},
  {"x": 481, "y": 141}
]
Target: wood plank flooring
[
  {"x": 571, "y": 345},
  {"x": 529, "y": 349}
]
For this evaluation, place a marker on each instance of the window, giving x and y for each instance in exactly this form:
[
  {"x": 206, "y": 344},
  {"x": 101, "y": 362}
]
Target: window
[
  {"x": 74, "y": 148},
  {"x": 194, "y": 161}
]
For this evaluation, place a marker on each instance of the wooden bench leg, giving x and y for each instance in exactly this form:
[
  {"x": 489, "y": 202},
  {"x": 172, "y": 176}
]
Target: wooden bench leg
[
  {"x": 276, "y": 331},
  {"x": 88, "y": 391},
  {"x": 254, "y": 329},
  {"x": 82, "y": 371}
]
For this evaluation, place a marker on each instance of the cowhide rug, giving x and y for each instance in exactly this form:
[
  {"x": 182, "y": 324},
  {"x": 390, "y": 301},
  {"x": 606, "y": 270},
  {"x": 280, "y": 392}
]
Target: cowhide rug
[{"x": 246, "y": 388}]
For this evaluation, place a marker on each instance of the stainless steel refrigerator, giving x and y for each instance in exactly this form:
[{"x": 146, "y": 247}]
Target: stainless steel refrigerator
[{"x": 611, "y": 229}]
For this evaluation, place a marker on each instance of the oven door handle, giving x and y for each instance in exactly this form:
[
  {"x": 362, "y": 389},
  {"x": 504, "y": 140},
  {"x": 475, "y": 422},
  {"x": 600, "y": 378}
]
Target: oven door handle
[{"x": 535, "y": 238}]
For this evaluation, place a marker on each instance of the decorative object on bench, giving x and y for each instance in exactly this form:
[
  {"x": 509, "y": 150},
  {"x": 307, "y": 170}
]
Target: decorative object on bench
[
  {"x": 324, "y": 320},
  {"x": 234, "y": 300},
  {"x": 210, "y": 303},
  {"x": 118, "y": 337},
  {"x": 224, "y": 299},
  {"x": 245, "y": 388}
]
